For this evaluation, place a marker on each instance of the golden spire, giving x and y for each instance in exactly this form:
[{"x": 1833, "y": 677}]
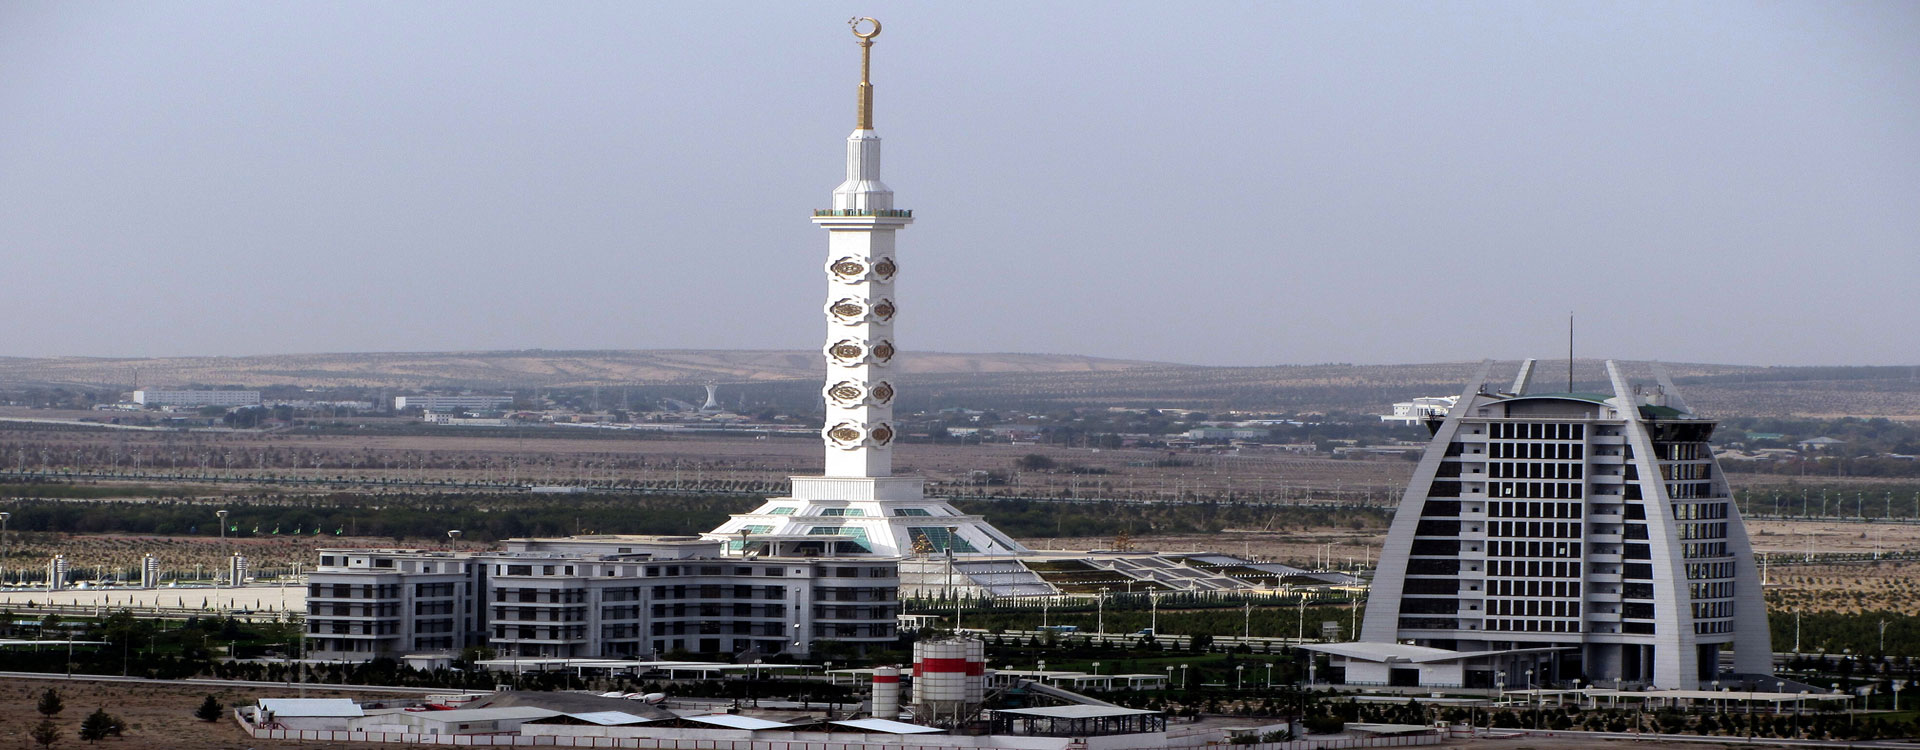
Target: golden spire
[{"x": 866, "y": 64}]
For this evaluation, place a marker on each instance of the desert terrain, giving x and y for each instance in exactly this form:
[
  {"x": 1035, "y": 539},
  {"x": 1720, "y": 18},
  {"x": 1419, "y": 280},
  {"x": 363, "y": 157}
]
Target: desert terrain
[{"x": 156, "y": 715}]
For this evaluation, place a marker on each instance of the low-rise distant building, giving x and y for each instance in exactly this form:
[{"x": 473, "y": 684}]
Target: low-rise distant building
[
  {"x": 1228, "y": 433},
  {"x": 1420, "y": 409},
  {"x": 1820, "y": 444},
  {"x": 196, "y": 398},
  {"x": 439, "y": 402}
]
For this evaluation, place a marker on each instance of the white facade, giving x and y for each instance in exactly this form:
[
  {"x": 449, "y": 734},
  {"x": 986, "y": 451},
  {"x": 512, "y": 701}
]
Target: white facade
[
  {"x": 595, "y": 597},
  {"x": 432, "y": 402},
  {"x": 196, "y": 398},
  {"x": 1598, "y": 525}
]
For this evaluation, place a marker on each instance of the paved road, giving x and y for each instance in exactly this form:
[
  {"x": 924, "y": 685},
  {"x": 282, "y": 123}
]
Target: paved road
[
  {"x": 257, "y": 684},
  {"x": 1694, "y": 738}
]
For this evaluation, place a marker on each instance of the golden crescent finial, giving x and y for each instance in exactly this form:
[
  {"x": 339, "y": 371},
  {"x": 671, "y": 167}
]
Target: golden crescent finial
[{"x": 855, "y": 23}]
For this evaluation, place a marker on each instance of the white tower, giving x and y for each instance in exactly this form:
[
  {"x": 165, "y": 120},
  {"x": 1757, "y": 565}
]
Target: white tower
[
  {"x": 860, "y": 270},
  {"x": 858, "y": 506},
  {"x": 713, "y": 398}
]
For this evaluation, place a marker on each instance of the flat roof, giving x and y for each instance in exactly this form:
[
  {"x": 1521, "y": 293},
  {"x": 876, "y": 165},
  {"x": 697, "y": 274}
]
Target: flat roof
[
  {"x": 1075, "y": 712},
  {"x": 1364, "y": 728},
  {"x": 312, "y": 707},
  {"x": 885, "y": 725},
  {"x": 487, "y": 714}
]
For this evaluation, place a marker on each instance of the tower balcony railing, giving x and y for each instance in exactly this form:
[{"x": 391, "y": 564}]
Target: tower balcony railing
[{"x": 857, "y": 213}]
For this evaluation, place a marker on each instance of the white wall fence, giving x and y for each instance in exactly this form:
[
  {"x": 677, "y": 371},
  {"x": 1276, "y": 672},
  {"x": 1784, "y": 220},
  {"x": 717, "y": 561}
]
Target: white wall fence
[{"x": 1340, "y": 743}]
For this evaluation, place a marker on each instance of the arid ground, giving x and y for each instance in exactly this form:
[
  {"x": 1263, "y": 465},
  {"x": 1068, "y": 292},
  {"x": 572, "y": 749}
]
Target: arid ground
[{"x": 156, "y": 716}]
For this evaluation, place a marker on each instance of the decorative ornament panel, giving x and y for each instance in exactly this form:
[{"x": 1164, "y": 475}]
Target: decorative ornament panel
[
  {"x": 846, "y": 393},
  {"x": 847, "y": 310},
  {"x": 847, "y": 352},
  {"x": 845, "y": 435},
  {"x": 884, "y": 269},
  {"x": 882, "y": 392},
  {"x": 848, "y": 269}
]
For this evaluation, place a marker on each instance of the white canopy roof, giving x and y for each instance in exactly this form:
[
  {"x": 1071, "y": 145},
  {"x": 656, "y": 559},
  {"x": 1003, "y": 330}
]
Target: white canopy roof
[
  {"x": 733, "y": 721},
  {"x": 884, "y": 725}
]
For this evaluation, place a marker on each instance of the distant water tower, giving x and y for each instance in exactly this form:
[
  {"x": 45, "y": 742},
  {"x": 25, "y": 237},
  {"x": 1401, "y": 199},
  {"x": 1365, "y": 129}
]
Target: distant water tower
[
  {"x": 57, "y": 573},
  {"x": 713, "y": 398}
]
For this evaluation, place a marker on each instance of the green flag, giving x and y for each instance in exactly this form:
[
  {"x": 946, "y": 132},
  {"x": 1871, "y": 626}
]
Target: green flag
[
  {"x": 317, "y": 530},
  {"x": 256, "y": 528},
  {"x": 297, "y": 529},
  {"x": 236, "y": 527},
  {"x": 339, "y": 531},
  {"x": 276, "y": 529}
]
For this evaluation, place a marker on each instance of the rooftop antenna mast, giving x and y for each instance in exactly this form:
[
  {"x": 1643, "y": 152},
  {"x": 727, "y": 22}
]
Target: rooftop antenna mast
[{"x": 1569, "y": 352}]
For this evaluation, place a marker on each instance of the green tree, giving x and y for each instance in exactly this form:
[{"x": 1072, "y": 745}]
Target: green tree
[
  {"x": 97, "y": 725},
  {"x": 1034, "y": 462},
  {"x": 46, "y": 733},
  {"x": 50, "y": 703},
  {"x": 209, "y": 710}
]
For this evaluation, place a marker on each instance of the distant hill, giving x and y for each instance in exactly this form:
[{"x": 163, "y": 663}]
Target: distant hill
[
  {"x": 790, "y": 379},
  {"x": 535, "y": 368}
]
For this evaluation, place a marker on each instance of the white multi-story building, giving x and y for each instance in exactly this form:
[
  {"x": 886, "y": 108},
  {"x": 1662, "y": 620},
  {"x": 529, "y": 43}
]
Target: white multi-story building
[
  {"x": 1420, "y": 409},
  {"x": 436, "y": 402},
  {"x": 596, "y": 597},
  {"x": 196, "y": 398},
  {"x": 1549, "y": 537}
]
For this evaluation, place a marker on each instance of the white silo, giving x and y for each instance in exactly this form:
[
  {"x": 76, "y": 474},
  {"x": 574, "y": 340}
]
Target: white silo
[
  {"x": 886, "y": 693},
  {"x": 948, "y": 679},
  {"x": 976, "y": 673}
]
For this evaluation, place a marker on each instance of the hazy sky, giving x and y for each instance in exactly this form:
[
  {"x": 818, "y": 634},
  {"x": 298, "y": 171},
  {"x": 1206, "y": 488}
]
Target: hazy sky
[{"x": 1235, "y": 183}]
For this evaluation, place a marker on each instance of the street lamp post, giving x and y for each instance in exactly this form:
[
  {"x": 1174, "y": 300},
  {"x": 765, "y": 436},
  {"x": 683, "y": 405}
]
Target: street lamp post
[
  {"x": 5, "y": 549},
  {"x": 1269, "y": 675},
  {"x": 1533, "y": 700},
  {"x": 1239, "y": 676},
  {"x": 1100, "y": 621},
  {"x": 1183, "y": 677},
  {"x": 1169, "y": 676},
  {"x": 222, "y": 514}
]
